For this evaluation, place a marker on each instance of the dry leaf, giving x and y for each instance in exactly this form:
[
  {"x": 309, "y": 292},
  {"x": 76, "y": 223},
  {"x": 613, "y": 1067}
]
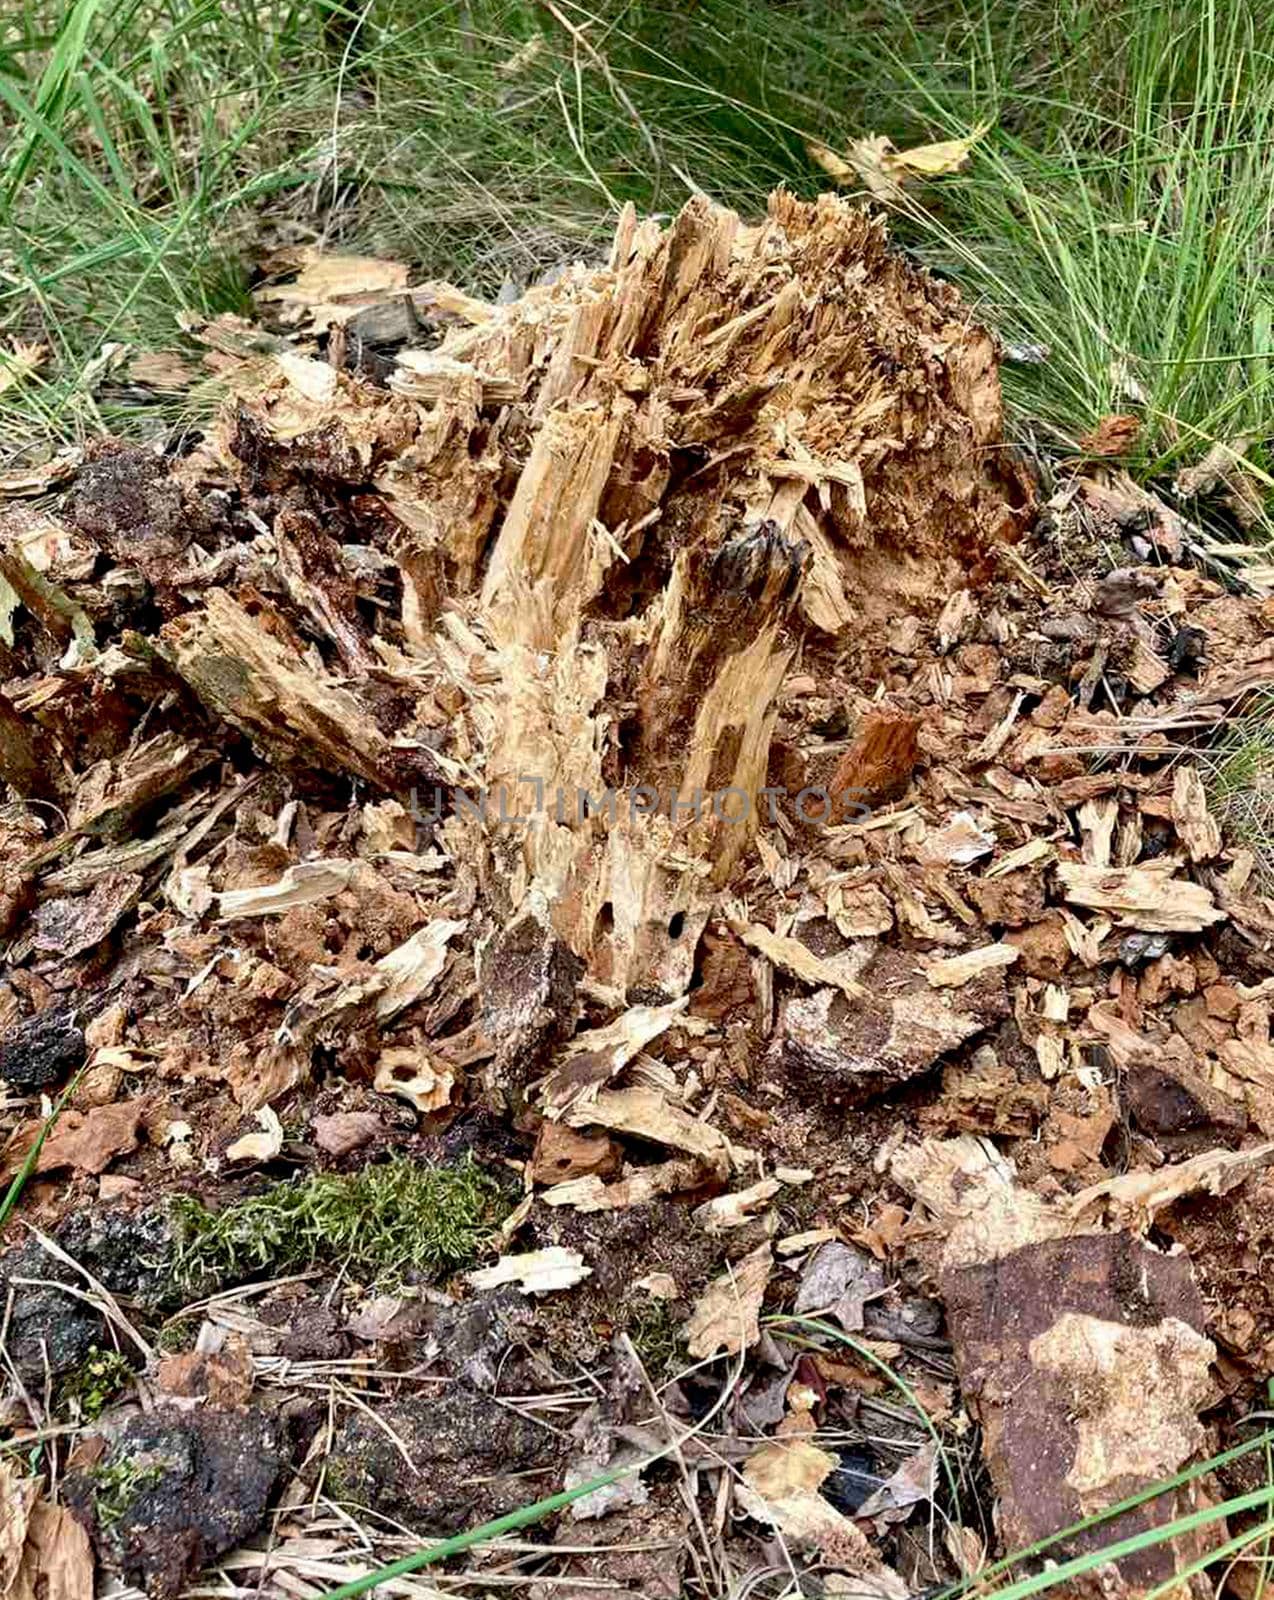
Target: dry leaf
[
  {"x": 344, "y": 1131},
  {"x": 57, "y": 1562},
  {"x": 882, "y": 169},
  {"x": 19, "y": 362},
  {"x": 725, "y": 1319},
  {"x": 88, "y": 1141},
  {"x": 778, "y": 1470},
  {"x": 779, "y": 1487},
  {"x": 912, "y": 1482},
  {"x": 164, "y": 371},
  {"x": 18, "y": 1494}
]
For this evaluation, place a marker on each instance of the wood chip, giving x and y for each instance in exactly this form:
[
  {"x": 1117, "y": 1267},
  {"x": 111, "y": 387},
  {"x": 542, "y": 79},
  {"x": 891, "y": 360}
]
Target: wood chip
[
  {"x": 1141, "y": 897},
  {"x": 1197, "y": 829},
  {"x": 536, "y": 1272},
  {"x": 791, "y": 956},
  {"x": 952, "y": 972},
  {"x": 304, "y": 884},
  {"x": 263, "y": 1146}
]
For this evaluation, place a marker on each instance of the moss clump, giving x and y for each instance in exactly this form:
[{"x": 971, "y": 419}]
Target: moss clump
[
  {"x": 95, "y": 1382},
  {"x": 381, "y": 1223},
  {"x": 116, "y": 1485},
  {"x": 654, "y": 1332}
]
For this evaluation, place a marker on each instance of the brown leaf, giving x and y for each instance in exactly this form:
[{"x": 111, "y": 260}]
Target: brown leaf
[
  {"x": 17, "y": 1496},
  {"x": 223, "y": 1378},
  {"x": 88, "y": 1141},
  {"x": 57, "y": 1562},
  {"x": 726, "y": 1318},
  {"x": 344, "y": 1131}
]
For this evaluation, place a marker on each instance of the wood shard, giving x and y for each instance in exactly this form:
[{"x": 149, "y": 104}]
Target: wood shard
[
  {"x": 878, "y": 766},
  {"x": 954, "y": 971},
  {"x": 1197, "y": 829},
  {"x": 1148, "y": 897},
  {"x": 536, "y": 1272}
]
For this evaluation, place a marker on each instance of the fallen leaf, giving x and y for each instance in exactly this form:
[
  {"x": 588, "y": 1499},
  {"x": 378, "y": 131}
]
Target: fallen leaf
[
  {"x": 222, "y": 1377},
  {"x": 19, "y": 361},
  {"x": 778, "y": 1470},
  {"x": 88, "y": 1141},
  {"x": 726, "y": 1318},
  {"x": 344, "y": 1131},
  {"x": 839, "y": 1281},
  {"x": 18, "y": 1494},
  {"x": 779, "y": 1487},
  {"x": 911, "y": 1483},
  {"x": 164, "y": 371},
  {"x": 57, "y": 1561},
  {"x": 882, "y": 169}
]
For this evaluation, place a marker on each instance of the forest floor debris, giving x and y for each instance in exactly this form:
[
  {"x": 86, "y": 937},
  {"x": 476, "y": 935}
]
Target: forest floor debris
[{"x": 615, "y": 890}]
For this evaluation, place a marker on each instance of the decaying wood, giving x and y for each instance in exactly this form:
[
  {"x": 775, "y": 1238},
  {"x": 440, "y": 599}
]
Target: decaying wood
[{"x": 607, "y": 737}]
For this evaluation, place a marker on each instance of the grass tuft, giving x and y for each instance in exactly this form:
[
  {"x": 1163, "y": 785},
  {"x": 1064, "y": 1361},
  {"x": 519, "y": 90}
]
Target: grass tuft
[
  {"x": 1118, "y": 214},
  {"x": 383, "y": 1222}
]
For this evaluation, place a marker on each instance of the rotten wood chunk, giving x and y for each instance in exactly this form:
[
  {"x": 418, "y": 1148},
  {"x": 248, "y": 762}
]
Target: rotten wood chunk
[
  {"x": 1084, "y": 1360},
  {"x": 879, "y": 764},
  {"x": 848, "y": 1049},
  {"x": 561, "y": 1154},
  {"x": 246, "y": 668},
  {"x": 26, "y": 766},
  {"x": 527, "y": 982}
]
